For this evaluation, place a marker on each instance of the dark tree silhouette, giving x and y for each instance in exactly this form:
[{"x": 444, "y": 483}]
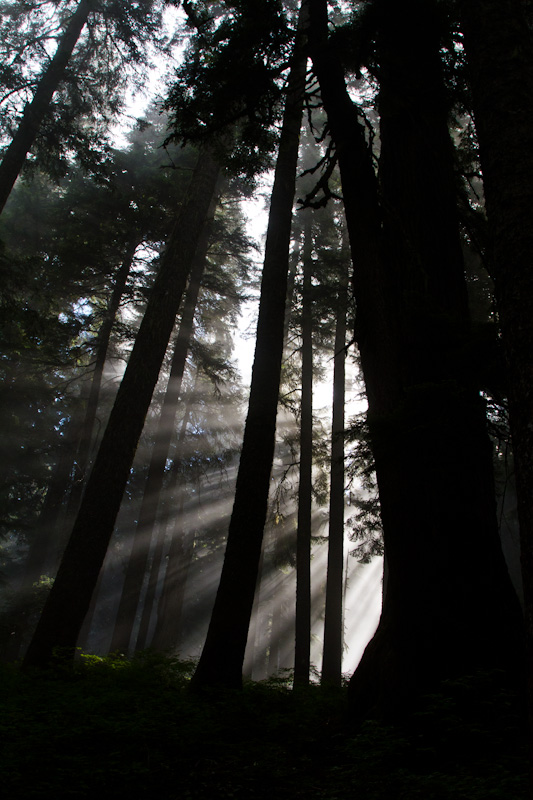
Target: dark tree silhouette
[
  {"x": 230, "y": 620},
  {"x": 302, "y": 645},
  {"x": 69, "y": 599},
  {"x": 445, "y": 607},
  {"x": 499, "y": 46},
  {"x": 333, "y": 620},
  {"x": 138, "y": 559}
]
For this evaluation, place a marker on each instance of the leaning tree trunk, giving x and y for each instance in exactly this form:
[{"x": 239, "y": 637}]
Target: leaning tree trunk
[
  {"x": 45, "y": 549},
  {"x": 86, "y": 435},
  {"x": 302, "y": 645},
  {"x": 256, "y": 636},
  {"x": 86, "y": 440},
  {"x": 449, "y": 606},
  {"x": 69, "y": 599},
  {"x": 333, "y": 620},
  {"x": 35, "y": 111},
  {"x": 145, "y": 527},
  {"x": 499, "y": 52},
  {"x": 223, "y": 653},
  {"x": 160, "y": 525}
]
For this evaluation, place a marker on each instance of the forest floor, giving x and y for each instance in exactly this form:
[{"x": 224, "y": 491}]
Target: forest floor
[{"x": 131, "y": 729}]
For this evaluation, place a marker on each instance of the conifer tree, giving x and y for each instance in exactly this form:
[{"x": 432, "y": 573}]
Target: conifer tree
[
  {"x": 154, "y": 483},
  {"x": 23, "y": 139},
  {"x": 407, "y": 324},
  {"x": 498, "y": 45},
  {"x": 69, "y": 599},
  {"x": 125, "y": 28},
  {"x": 228, "y": 628}
]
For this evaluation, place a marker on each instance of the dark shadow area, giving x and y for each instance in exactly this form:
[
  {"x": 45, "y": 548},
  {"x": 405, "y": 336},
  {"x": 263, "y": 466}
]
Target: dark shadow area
[{"x": 132, "y": 729}]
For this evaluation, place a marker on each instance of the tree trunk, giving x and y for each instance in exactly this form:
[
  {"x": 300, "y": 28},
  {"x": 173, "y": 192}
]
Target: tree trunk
[
  {"x": 70, "y": 596},
  {"x": 138, "y": 559},
  {"x": 302, "y": 648},
  {"x": 278, "y": 624},
  {"x": 498, "y": 46},
  {"x": 85, "y": 630},
  {"x": 256, "y": 638},
  {"x": 45, "y": 549},
  {"x": 170, "y": 608},
  {"x": 103, "y": 338},
  {"x": 47, "y": 546},
  {"x": 333, "y": 622},
  {"x": 223, "y": 653},
  {"x": 449, "y": 607},
  {"x": 35, "y": 111},
  {"x": 173, "y": 491},
  {"x": 179, "y": 559}
]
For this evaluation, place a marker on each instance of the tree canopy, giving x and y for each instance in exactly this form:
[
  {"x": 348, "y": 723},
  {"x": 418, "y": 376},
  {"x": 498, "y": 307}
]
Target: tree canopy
[{"x": 146, "y": 500}]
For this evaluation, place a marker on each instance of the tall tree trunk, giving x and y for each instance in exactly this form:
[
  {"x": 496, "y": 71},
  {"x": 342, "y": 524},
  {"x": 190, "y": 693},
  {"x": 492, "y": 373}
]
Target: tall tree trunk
[
  {"x": 449, "y": 606},
  {"x": 35, "y": 111},
  {"x": 85, "y": 630},
  {"x": 86, "y": 435},
  {"x": 279, "y": 533},
  {"x": 223, "y": 653},
  {"x": 302, "y": 648},
  {"x": 173, "y": 490},
  {"x": 45, "y": 549},
  {"x": 255, "y": 636},
  {"x": 277, "y": 623},
  {"x": 138, "y": 559},
  {"x": 70, "y": 596},
  {"x": 179, "y": 559},
  {"x": 333, "y": 621},
  {"x": 499, "y": 52},
  {"x": 170, "y": 607}
]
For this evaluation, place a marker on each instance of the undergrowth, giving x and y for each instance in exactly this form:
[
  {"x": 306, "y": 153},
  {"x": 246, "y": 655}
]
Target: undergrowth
[{"x": 131, "y": 729}]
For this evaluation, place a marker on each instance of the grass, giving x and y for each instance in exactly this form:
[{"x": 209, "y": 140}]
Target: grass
[{"x": 132, "y": 729}]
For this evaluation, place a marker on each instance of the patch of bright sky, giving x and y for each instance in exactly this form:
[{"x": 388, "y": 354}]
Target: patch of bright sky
[
  {"x": 256, "y": 213},
  {"x": 255, "y": 210},
  {"x": 156, "y": 75}
]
